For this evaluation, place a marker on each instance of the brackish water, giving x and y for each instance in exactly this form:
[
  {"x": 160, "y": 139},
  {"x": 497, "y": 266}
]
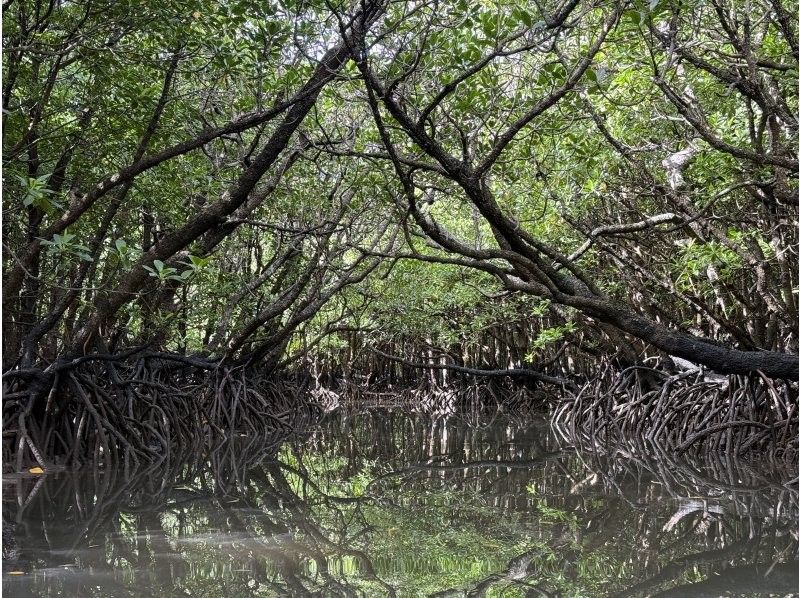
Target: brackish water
[{"x": 386, "y": 502}]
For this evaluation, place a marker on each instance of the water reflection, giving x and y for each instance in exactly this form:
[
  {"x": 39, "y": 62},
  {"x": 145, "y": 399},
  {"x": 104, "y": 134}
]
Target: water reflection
[{"x": 387, "y": 503}]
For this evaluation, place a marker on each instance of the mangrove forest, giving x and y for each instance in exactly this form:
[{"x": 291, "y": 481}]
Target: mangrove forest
[{"x": 441, "y": 298}]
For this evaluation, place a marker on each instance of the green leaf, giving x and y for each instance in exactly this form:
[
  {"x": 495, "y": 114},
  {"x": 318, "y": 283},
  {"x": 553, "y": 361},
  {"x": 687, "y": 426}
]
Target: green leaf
[
  {"x": 489, "y": 25},
  {"x": 634, "y": 16}
]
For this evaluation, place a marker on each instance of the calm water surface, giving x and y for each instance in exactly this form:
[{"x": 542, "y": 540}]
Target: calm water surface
[{"x": 381, "y": 503}]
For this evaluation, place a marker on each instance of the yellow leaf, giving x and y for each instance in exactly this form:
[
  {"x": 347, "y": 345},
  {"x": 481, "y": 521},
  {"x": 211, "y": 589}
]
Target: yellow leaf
[
  {"x": 16, "y": 572},
  {"x": 36, "y": 470},
  {"x": 196, "y": 14}
]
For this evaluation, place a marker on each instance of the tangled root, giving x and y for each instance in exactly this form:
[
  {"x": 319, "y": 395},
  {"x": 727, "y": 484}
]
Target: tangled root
[
  {"x": 140, "y": 410},
  {"x": 686, "y": 413}
]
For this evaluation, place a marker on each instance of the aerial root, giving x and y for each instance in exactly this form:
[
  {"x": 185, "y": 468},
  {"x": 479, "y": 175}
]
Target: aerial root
[
  {"x": 686, "y": 412},
  {"x": 141, "y": 411},
  {"x": 432, "y": 398}
]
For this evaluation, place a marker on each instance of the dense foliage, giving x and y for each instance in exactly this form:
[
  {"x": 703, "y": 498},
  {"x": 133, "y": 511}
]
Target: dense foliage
[
  {"x": 201, "y": 197},
  {"x": 287, "y": 179}
]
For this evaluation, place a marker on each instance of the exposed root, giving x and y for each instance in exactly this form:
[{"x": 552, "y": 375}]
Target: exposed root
[
  {"x": 139, "y": 407},
  {"x": 432, "y": 398},
  {"x": 686, "y": 413},
  {"x": 139, "y": 410}
]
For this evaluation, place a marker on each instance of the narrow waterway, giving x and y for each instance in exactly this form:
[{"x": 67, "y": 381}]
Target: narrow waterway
[{"x": 389, "y": 502}]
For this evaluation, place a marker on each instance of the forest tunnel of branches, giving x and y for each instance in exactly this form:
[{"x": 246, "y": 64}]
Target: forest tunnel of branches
[{"x": 218, "y": 213}]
